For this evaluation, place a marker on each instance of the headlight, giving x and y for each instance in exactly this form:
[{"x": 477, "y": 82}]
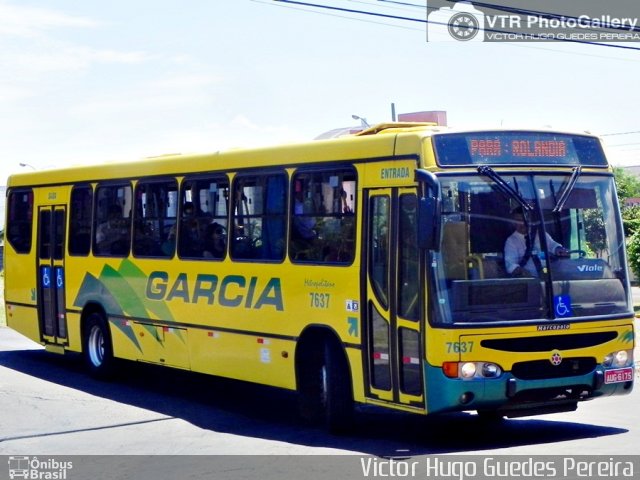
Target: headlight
[
  {"x": 491, "y": 370},
  {"x": 621, "y": 358},
  {"x": 470, "y": 370}
]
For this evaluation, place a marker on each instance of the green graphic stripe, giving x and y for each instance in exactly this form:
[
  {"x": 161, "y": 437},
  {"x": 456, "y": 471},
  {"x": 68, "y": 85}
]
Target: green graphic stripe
[{"x": 138, "y": 282}]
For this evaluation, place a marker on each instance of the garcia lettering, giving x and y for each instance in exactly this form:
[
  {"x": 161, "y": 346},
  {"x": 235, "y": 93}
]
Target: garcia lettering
[{"x": 230, "y": 291}]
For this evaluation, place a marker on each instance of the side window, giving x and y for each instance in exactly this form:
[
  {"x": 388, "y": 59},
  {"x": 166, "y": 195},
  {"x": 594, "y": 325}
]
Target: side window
[
  {"x": 80, "y": 220},
  {"x": 322, "y": 217},
  {"x": 204, "y": 213},
  {"x": 156, "y": 209},
  {"x": 259, "y": 217},
  {"x": 20, "y": 220},
  {"x": 113, "y": 220}
]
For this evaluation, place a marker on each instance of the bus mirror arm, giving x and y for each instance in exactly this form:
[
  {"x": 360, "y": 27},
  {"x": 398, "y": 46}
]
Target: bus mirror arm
[{"x": 428, "y": 210}]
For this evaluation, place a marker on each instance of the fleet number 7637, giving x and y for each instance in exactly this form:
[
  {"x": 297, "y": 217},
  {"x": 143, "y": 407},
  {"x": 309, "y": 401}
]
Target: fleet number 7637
[{"x": 459, "y": 347}]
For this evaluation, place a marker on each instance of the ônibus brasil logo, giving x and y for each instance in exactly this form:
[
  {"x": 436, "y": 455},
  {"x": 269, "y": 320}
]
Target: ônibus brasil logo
[{"x": 38, "y": 469}]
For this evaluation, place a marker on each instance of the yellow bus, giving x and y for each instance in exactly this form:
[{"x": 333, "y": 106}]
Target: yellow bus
[{"x": 369, "y": 269}]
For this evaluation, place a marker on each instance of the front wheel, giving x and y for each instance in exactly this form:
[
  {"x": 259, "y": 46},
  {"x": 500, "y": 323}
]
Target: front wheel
[
  {"x": 490, "y": 416},
  {"x": 97, "y": 348},
  {"x": 324, "y": 386}
]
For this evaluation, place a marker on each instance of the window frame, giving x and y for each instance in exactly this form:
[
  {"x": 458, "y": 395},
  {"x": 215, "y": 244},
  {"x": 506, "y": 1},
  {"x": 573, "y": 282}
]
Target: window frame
[{"x": 325, "y": 172}]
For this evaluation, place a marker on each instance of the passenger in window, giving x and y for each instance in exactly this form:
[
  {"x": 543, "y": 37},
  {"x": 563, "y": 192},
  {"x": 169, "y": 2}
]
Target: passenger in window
[
  {"x": 345, "y": 207},
  {"x": 215, "y": 242},
  {"x": 112, "y": 232},
  {"x": 303, "y": 224},
  {"x": 190, "y": 239},
  {"x": 169, "y": 245},
  {"x": 520, "y": 257}
]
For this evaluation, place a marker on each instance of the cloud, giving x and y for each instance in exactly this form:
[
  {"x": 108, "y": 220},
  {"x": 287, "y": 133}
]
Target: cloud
[
  {"x": 24, "y": 21},
  {"x": 11, "y": 93},
  {"x": 187, "y": 81}
]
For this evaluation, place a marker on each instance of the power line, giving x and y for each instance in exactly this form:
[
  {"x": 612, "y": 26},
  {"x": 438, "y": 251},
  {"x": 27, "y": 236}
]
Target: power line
[
  {"x": 395, "y": 17},
  {"x": 350, "y": 10},
  {"x": 404, "y": 3},
  {"x": 624, "y": 144},
  {"x": 270, "y": 2},
  {"x": 523, "y": 11},
  {"x": 551, "y": 15},
  {"x": 619, "y": 133},
  {"x": 507, "y": 44}
]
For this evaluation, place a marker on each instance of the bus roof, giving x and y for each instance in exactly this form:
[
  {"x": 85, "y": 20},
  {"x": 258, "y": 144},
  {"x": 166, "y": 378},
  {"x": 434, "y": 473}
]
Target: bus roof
[{"x": 380, "y": 141}]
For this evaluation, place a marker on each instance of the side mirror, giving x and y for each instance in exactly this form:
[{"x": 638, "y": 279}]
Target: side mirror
[
  {"x": 428, "y": 210},
  {"x": 428, "y": 239}
]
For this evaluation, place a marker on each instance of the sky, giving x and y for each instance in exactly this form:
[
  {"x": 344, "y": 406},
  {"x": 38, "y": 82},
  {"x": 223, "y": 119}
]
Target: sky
[{"x": 93, "y": 81}]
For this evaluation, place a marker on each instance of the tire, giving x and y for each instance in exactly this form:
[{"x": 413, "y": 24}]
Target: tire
[
  {"x": 324, "y": 388},
  {"x": 337, "y": 390},
  {"x": 97, "y": 348},
  {"x": 490, "y": 416}
]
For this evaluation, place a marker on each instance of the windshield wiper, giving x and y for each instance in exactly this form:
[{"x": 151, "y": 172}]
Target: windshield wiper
[
  {"x": 564, "y": 196},
  {"x": 504, "y": 187}
]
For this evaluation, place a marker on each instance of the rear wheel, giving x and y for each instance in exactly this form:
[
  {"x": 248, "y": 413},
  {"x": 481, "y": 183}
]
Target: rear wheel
[{"x": 97, "y": 348}]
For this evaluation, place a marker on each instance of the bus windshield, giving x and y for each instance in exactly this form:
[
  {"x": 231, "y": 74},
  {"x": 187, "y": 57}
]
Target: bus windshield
[{"x": 559, "y": 257}]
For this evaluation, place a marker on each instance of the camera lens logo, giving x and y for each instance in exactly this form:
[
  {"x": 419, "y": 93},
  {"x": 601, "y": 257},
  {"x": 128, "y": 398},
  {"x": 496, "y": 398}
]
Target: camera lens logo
[
  {"x": 463, "y": 26},
  {"x": 461, "y": 22}
]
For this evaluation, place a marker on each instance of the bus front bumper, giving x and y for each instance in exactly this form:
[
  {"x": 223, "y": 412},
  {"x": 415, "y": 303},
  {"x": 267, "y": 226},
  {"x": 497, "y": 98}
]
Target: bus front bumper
[{"x": 514, "y": 397}]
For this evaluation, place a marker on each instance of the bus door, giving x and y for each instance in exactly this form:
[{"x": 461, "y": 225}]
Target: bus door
[
  {"x": 394, "y": 299},
  {"x": 51, "y": 276}
]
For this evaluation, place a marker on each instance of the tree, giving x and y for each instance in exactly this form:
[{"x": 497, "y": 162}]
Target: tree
[
  {"x": 595, "y": 233},
  {"x": 633, "y": 252},
  {"x": 631, "y": 220},
  {"x": 627, "y": 184}
]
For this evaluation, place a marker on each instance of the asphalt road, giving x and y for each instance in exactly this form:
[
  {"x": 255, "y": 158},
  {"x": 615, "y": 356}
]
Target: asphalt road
[{"x": 49, "y": 405}]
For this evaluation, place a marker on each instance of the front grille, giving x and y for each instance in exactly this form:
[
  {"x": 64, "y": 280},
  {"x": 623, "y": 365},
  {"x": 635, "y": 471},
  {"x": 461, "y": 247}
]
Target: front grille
[
  {"x": 541, "y": 369},
  {"x": 549, "y": 342}
]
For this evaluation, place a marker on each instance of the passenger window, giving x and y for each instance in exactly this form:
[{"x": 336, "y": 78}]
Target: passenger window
[
  {"x": 113, "y": 220},
  {"x": 204, "y": 217},
  {"x": 20, "y": 220},
  {"x": 80, "y": 220},
  {"x": 322, "y": 217},
  {"x": 259, "y": 217},
  {"x": 156, "y": 209}
]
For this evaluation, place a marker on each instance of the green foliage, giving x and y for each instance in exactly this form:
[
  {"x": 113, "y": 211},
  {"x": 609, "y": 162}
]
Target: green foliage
[
  {"x": 631, "y": 220},
  {"x": 633, "y": 252},
  {"x": 595, "y": 232},
  {"x": 627, "y": 184}
]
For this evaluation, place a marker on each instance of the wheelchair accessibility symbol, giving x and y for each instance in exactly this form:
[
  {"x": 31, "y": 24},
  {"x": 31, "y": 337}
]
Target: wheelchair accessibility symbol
[
  {"x": 46, "y": 277},
  {"x": 562, "y": 306}
]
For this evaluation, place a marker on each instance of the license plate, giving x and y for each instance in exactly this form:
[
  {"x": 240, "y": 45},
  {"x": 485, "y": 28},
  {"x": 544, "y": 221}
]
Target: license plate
[{"x": 618, "y": 375}]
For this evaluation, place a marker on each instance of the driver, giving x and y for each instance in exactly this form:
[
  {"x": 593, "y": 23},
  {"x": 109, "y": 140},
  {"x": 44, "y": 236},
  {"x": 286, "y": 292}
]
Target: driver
[{"x": 518, "y": 262}]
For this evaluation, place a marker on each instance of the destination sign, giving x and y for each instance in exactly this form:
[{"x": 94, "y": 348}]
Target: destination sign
[{"x": 518, "y": 148}]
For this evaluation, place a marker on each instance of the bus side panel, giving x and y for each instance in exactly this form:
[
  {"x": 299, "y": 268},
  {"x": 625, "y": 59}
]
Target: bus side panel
[
  {"x": 73, "y": 330},
  {"x": 357, "y": 374},
  {"x": 20, "y": 291},
  {"x": 24, "y": 320},
  {"x": 255, "y": 359}
]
